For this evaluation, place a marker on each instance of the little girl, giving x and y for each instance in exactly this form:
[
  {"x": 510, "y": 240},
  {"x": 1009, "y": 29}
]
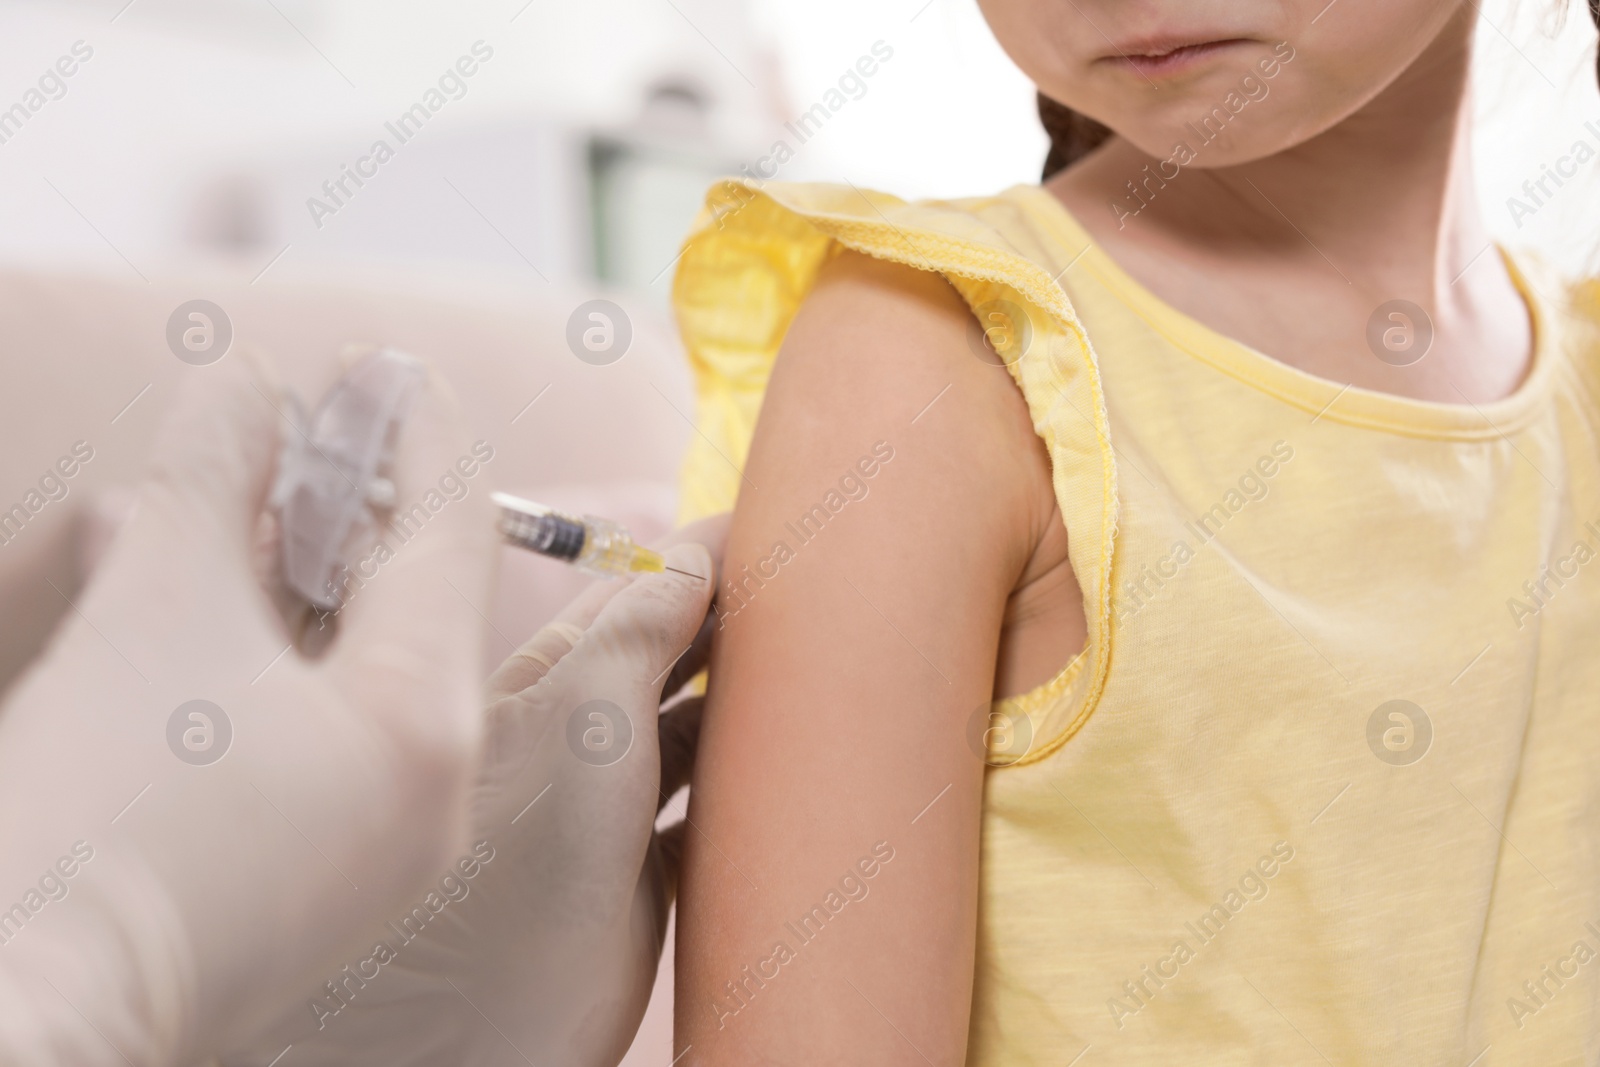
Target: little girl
[{"x": 1200, "y": 665}]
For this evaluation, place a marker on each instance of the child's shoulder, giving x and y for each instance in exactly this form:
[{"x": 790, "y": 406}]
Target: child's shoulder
[
  {"x": 863, "y": 287},
  {"x": 759, "y": 253}
]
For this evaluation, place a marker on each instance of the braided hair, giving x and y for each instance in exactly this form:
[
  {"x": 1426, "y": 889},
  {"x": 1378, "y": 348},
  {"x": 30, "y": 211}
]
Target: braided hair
[{"x": 1073, "y": 136}]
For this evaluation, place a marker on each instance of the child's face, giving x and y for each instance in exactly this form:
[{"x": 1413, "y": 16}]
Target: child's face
[{"x": 1156, "y": 70}]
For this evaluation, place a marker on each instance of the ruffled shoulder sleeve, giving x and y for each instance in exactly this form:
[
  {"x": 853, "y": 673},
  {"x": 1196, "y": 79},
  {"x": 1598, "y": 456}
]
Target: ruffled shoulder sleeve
[{"x": 749, "y": 263}]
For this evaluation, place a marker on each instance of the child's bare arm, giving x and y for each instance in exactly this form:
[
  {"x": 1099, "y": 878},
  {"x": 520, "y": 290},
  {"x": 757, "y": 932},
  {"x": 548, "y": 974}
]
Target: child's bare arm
[{"x": 835, "y": 757}]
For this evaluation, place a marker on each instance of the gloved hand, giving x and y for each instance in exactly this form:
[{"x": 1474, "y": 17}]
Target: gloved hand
[
  {"x": 181, "y": 875},
  {"x": 543, "y": 946}
]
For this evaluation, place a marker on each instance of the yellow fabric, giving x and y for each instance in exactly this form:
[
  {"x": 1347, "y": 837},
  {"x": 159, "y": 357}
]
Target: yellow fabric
[{"x": 1221, "y": 847}]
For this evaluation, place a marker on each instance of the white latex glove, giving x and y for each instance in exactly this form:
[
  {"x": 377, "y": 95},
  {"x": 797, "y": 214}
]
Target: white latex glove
[
  {"x": 548, "y": 951},
  {"x": 169, "y": 908}
]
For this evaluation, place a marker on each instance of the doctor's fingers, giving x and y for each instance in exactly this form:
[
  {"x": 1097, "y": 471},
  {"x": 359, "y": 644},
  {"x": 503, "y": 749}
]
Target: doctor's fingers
[{"x": 529, "y": 664}]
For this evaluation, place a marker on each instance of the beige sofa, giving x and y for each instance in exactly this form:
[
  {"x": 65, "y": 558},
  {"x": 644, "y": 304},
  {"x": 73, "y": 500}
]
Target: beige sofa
[{"x": 86, "y": 360}]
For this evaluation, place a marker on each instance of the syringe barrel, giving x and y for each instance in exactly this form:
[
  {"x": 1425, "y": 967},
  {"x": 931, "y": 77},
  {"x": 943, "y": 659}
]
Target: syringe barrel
[
  {"x": 608, "y": 550},
  {"x": 549, "y": 534},
  {"x": 596, "y": 545}
]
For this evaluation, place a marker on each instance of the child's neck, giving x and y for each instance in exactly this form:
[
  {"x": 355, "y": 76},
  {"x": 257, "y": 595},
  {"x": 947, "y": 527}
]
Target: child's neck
[{"x": 1292, "y": 253}]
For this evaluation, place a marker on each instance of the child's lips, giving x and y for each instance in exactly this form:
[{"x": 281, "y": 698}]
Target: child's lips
[{"x": 1161, "y": 59}]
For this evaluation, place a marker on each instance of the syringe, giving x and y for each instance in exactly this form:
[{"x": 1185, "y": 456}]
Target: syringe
[{"x": 598, "y": 546}]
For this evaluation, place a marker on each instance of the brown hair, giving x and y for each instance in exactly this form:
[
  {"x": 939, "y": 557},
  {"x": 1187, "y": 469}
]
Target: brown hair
[
  {"x": 1073, "y": 136},
  {"x": 1594, "y": 13}
]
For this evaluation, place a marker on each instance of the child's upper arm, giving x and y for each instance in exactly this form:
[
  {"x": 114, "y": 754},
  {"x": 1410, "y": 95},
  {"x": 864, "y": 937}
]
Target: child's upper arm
[{"x": 889, "y": 506}]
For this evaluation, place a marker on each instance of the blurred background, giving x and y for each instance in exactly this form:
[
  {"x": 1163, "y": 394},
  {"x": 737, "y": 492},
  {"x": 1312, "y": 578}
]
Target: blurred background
[
  {"x": 227, "y": 150},
  {"x": 579, "y": 151}
]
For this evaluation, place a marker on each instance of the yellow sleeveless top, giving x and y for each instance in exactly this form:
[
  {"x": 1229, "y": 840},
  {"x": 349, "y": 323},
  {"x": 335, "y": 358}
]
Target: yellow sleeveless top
[{"x": 1324, "y": 786}]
